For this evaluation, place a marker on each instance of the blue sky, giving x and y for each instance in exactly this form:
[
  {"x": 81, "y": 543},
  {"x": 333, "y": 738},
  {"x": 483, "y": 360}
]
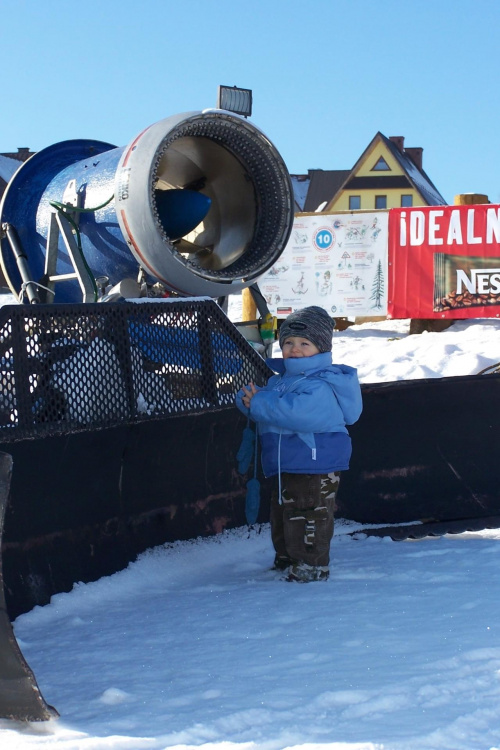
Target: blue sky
[{"x": 326, "y": 75}]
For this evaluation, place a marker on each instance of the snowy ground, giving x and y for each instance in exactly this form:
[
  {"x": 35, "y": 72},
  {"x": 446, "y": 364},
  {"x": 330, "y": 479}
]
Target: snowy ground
[{"x": 199, "y": 645}]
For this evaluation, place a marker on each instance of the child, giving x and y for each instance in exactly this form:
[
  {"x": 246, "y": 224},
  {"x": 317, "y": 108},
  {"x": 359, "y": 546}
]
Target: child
[{"x": 301, "y": 415}]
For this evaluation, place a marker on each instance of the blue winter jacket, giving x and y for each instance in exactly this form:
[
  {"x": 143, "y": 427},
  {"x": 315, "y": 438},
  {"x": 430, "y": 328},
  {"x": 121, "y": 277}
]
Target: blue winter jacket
[{"x": 302, "y": 415}]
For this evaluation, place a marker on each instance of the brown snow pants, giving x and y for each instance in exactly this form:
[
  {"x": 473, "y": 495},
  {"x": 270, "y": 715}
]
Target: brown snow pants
[{"x": 302, "y": 525}]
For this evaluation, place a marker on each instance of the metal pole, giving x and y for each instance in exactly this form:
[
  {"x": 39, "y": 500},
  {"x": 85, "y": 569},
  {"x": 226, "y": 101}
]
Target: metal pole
[{"x": 22, "y": 263}]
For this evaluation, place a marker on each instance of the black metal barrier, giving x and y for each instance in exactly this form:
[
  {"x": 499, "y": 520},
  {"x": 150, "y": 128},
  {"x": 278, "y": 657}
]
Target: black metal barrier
[
  {"x": 121, "y": 422},
  {"x": 426, "y": 450},
  {"x": 70, "y": 368}
]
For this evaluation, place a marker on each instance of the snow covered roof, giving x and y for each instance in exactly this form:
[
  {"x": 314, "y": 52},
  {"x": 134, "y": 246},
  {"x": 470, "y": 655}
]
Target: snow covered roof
[{"x": 8, "y": 167}]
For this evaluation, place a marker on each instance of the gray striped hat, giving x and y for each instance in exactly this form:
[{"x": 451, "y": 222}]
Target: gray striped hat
[{"x": 311, "y": 323}]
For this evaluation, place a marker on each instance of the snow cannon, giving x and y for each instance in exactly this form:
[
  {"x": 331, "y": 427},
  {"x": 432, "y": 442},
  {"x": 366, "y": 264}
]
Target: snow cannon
[{"x": 198, "y": 204}]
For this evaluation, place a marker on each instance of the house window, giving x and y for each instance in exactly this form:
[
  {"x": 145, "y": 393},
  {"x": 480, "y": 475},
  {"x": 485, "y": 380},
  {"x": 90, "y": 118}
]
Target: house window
[
  {"x": 381, "y": 166},
  {"x": 406, "y": 201},
  {"x": 354, "y": 202},
  {"x": 381, "y": 201}
]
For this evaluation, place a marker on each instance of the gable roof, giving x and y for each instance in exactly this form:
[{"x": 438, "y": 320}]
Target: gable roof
[
  {"x": 419, "y": 179},
  {"x": 413, "y": 176},
  {"x": 324, "y": 184}
]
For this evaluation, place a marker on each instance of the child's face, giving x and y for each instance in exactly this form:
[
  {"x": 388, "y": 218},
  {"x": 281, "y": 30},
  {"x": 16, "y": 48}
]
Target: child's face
[{"x": 297, "y": 346}]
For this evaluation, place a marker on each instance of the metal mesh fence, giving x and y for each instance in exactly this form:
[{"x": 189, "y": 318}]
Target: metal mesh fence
[{"x": 68, "y": 368}]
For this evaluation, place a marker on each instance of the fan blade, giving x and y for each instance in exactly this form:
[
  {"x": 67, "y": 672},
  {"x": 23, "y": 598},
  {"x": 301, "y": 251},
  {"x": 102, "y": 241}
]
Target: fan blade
[{"x": 180, "y": 211}]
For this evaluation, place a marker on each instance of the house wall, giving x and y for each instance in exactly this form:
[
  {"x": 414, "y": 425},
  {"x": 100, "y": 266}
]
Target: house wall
[
  {"x": 368, "y": 199},
  {"x": 368, "y": 194},
  {"x": 379, "y": 149}
]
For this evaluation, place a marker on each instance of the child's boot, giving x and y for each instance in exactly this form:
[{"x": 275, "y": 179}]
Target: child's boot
[
  {"x": 303, "y": 573},
  {"x": 282, "y": 562}
]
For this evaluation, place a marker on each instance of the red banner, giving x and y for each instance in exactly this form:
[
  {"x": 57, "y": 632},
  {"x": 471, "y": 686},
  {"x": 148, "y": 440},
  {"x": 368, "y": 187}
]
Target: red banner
[{"x": 444, "y": 262}]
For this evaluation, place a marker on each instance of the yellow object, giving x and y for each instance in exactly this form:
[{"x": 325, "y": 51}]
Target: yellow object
[
  {"x": 268, "y": 328},
  {"x": 470, "y": 199},
  {"x": 248, "y": 306}
]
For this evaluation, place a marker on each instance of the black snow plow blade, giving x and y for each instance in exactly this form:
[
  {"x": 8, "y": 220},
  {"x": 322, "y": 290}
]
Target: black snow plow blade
[{"x": 20, "y": 697}]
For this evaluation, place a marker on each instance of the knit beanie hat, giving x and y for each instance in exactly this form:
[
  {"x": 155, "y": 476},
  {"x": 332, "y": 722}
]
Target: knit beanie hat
[{"x": 311, "y": 323}]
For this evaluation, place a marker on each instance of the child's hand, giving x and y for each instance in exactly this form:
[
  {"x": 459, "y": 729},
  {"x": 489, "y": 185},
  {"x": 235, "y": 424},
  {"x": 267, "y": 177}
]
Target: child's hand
[{"x": 250, "y": 392}]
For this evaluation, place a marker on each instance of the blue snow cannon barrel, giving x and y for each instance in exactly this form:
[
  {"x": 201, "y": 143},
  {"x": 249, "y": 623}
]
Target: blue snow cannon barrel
[{"x": 202, "y": 202}]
